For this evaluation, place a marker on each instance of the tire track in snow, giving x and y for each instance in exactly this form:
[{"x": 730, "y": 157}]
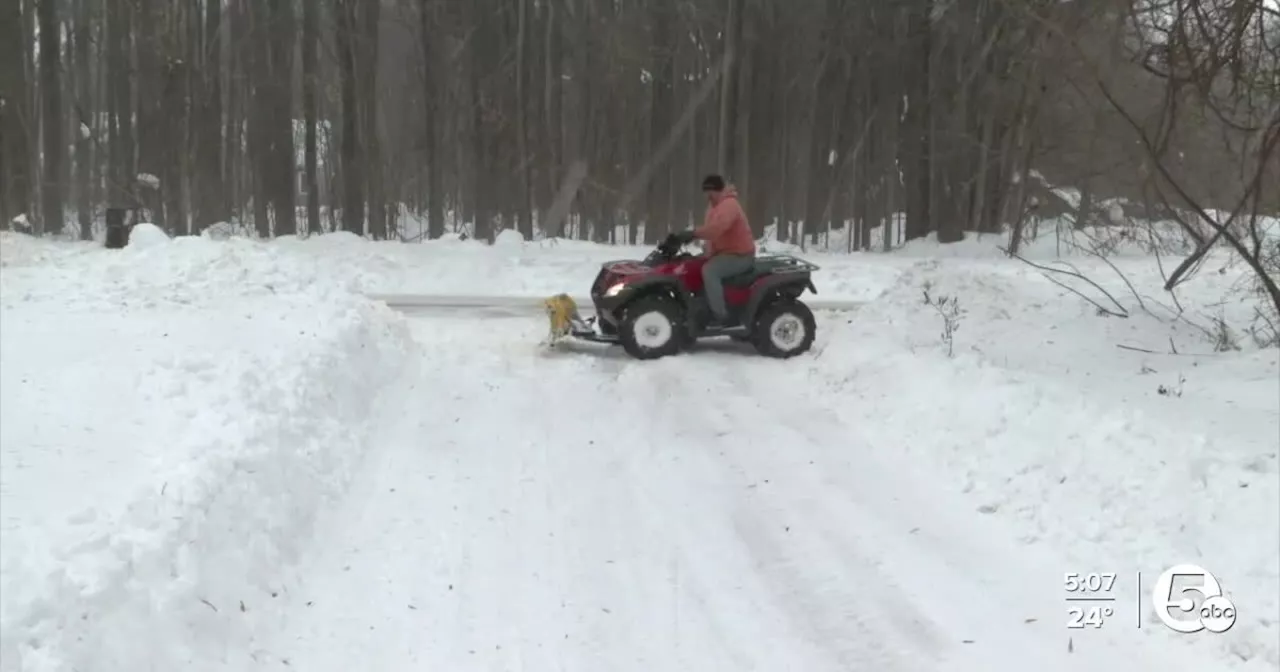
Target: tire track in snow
[
  {"x": 710, "y": 572},
  {"x": 579, "y": 538},
  {"x": 883, "y": 508},
  {"x": 721, "y": 579},
  {"x": 622, "y": 520},
  {"x": 821, "y": 583},
  {"x": 969, "y": 569}
]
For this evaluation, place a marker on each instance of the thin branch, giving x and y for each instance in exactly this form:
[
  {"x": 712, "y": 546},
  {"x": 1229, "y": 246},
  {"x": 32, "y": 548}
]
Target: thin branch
[{"x": 1075, "y": 274}]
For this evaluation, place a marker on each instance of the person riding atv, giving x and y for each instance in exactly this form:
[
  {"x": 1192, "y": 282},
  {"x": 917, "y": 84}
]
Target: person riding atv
[
  {"x": 660, "y": 305},
  {"x": 728, "y": 243}
]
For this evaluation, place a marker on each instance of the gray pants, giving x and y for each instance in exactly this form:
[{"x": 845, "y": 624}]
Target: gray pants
[{"x": 715, "y": 271}]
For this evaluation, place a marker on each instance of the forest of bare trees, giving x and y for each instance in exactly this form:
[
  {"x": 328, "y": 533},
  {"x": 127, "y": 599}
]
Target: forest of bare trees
[{"x": 300, "y": 117}]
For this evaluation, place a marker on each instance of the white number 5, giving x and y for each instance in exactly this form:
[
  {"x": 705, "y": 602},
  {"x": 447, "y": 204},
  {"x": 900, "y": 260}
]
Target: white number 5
[{"x": 1163, "y": 599}]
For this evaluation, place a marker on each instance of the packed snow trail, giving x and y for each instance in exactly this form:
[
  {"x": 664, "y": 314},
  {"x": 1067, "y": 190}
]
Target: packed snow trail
[{"x": 579, "y": 512}]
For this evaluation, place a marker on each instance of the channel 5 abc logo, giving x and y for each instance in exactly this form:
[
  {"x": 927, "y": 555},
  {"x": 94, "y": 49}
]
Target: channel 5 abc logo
[{"x": 1195, "y": 594}]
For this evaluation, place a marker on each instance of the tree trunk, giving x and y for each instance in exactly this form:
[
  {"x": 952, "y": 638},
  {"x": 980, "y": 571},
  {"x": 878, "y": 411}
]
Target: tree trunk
[
  {"x": 724, "y": 126},
  {"x": 261, "y": 154},
  {"x": 16, "y": 122},
  {"x": 352, "y": 182},
  {"x": 915, "y": 128},
  {"x": 371, "y": 117},
  {"x": 523, "y": 158},
  {"x": 554, "y": 92},
  {"x": 278, "y": 98},
  {"x": 433, "y": 95},
  {"x": 827, "y": 89},
  {"x": 121, "y": 175},
  {"x": 81, "y": 46},
  {"x": 175, "y": 132},
  {"x": 239, "y": 90},
  {"x": 310, "y": 43},
  {"x": 659, "y": 206},
  {"x": 740, "y": 154},
  {"x": 51, "y": 120},
  {"x": 210, "y": 199},
  {"x": 481, "y": 103},
  {"x": 152, "y": 138}
]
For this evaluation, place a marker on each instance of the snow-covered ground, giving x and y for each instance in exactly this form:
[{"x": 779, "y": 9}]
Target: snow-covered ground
[
  {"x": 261, "y": 469},
  {"x": 173, "y": 419}
]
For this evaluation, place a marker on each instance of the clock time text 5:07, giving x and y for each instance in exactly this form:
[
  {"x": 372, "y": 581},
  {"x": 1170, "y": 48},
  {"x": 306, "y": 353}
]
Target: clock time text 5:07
[{"x": 1092, "y": 582}]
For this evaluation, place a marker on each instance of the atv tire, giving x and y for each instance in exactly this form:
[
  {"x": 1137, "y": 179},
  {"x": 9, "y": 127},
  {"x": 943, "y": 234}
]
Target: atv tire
[
  {"x": 652, "y": 327},
  {"x": 783, "y": 329}
]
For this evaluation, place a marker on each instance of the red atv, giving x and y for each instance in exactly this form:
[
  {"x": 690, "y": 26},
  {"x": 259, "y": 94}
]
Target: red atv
[{"x": 656, "y": 307}]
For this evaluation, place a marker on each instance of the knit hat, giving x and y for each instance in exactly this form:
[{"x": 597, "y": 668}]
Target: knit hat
[{"x": 713, "y": 183}]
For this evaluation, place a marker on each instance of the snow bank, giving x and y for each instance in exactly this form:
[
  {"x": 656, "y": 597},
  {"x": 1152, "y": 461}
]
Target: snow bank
[
  {"x": 144, "y": 235},
  {"x": 1120, "y": 459},
  {"x": 175, "y": 415},
  {"x": 184, "y": 271},
  {"x": 509, "y": 238}
]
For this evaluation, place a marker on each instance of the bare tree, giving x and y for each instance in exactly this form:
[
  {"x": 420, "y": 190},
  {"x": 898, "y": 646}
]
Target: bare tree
[
  {"x": 1216, "y": 64},
  {"x": 310, "y": 46},
  {"x": 353, "y": 192},
  {"x": 16, "y": 123},
  {"x": 53, "y": 149}
]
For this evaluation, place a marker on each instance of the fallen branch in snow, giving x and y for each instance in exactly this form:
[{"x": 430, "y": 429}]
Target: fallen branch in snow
[
  {"x": 1118, "y": 272},
  {"x": 1220, "y": 335},
  {"x": 1045, "y": 270},
  {"x": 1179, "y": 315},
  {"x": 1135, "y": 348}
]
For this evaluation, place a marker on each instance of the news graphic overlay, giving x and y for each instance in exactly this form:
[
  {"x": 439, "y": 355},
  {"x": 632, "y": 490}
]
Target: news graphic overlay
[
  {"x": 1090, "y": 601},
  {"x": 1188, "y": 598}
]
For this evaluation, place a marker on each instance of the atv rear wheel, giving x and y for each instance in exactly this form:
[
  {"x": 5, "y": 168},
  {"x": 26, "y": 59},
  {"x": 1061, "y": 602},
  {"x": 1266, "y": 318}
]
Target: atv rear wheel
[
  {"x": 783, "y": 329},
  {"x": 652, "y": 327}
]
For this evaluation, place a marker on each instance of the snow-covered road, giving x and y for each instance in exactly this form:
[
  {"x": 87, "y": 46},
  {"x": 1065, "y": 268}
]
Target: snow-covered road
[
  {"x": 222, "y": 456},
  {"x": 577, "y": 512}
]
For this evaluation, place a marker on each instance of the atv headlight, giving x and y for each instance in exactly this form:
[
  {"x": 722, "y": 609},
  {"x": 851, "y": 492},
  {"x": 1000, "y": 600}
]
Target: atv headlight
[{"x": 615, "y": 289}]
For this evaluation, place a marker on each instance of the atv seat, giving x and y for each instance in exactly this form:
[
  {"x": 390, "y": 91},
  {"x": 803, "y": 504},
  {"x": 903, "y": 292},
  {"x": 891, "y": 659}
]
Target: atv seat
[{"x": 763, "y": 266}]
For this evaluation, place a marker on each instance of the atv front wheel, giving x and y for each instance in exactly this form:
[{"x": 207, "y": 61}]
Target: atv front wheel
[
  {"x": 783, "y": 329},
  {"x": 652, "y": 327}
]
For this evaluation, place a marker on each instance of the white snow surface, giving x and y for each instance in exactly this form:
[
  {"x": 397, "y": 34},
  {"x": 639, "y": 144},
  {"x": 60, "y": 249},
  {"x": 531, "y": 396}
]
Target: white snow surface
[
  {"x": 270, "y": 471},
  {"x": 175, "y": 418}
]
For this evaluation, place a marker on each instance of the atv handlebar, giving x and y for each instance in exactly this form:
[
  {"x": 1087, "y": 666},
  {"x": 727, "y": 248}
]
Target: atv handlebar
[{"x": 668, "y": 251}]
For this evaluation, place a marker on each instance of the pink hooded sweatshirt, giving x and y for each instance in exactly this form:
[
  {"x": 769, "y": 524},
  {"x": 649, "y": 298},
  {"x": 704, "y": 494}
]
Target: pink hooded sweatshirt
[{"x": 725, "y": 229}]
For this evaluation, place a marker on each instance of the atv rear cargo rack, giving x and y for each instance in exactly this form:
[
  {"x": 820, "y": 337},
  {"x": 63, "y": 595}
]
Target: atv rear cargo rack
[{"x": 790, "y": 264}]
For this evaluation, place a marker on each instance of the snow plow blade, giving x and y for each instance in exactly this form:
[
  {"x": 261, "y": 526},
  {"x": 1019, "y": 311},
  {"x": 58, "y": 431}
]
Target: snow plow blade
[{"x": 565, "y": 321}]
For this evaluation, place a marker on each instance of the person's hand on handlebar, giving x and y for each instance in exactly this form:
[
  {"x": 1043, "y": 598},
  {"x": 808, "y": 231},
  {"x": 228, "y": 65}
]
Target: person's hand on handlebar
[
  {"x": 672, "y": 243},
  {"x": 670, "y": 246}
]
